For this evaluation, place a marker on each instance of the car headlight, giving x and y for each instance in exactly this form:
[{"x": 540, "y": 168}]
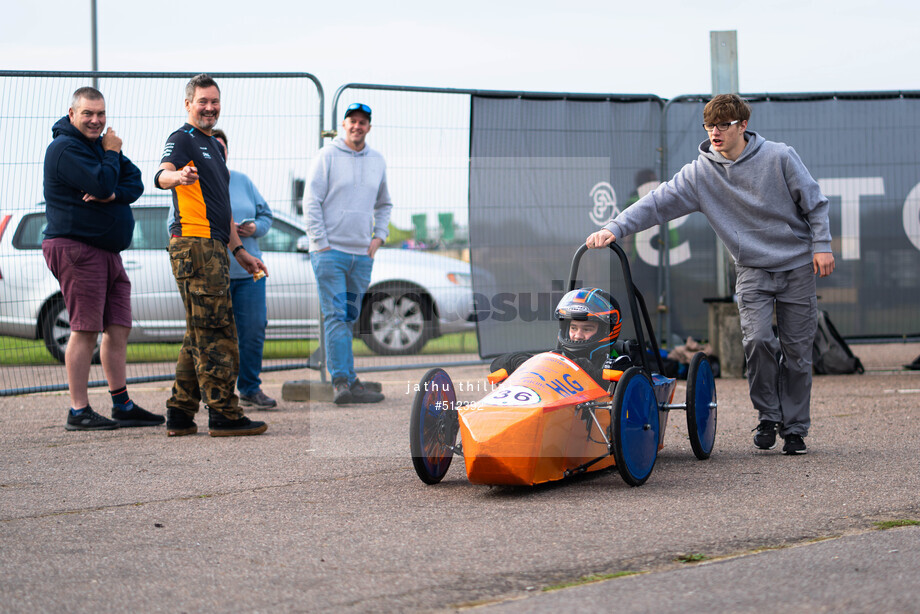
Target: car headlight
[{"x": 460, "y": 279}]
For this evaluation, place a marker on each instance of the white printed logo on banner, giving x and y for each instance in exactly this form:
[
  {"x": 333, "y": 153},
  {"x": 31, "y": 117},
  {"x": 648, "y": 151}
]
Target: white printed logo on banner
[{"x": 605, "y": 203}]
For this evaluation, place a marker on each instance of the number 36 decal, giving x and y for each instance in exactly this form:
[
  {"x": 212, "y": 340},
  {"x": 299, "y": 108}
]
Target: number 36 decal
[{"x": 512, "y": 395}]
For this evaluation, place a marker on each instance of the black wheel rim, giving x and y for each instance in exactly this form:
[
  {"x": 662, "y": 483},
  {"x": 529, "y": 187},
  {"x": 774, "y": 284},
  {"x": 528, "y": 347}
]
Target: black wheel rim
[{"x": 434, "y": 426}]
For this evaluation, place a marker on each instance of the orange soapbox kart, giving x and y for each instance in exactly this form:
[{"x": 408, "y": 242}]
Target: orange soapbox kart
[{"x": 549, "y": 419}]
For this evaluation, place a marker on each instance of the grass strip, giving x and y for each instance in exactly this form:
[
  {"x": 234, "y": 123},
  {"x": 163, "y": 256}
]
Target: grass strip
[
  {"x": 694, "y": 557},
  {"x": 892, "y": 524},
  {"x": 591, "y": 579},
  {"x": 15, "y": 351}
]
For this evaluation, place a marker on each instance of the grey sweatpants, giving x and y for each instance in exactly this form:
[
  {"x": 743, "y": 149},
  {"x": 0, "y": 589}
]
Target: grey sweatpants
[{"x": 779, "y": 370}]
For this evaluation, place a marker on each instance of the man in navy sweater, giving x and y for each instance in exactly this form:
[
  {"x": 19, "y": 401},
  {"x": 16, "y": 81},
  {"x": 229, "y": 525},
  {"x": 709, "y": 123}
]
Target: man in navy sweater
[{"x": 89, "y": 187}]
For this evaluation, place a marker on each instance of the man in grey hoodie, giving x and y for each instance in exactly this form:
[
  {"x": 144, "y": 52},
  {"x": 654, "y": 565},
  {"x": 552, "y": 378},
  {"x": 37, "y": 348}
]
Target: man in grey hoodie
[
  {"x": 348, "y": 212},
  {"x": 768, "y": 210}
]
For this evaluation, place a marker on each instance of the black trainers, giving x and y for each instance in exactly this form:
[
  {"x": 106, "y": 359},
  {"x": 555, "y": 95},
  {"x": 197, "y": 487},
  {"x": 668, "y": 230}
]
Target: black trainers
[
  {"x": 341, "y": 394},
  {"x": 794, "y": 445},
  {"x": 88, "y": 420},
  {"x": 132, "y": 414},
  {"x": 221, "y": 426},
  {"x": 259, "y": 400},
  {"x": 361, "y": 394},
  {"x": 765, "y": 438},
  {"x": 179, "y": 423}
]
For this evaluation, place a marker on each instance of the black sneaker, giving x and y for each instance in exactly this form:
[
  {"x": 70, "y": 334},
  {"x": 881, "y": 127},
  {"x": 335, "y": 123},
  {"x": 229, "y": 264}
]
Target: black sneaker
[
  {"x": 765, "y": 438},
  {"x": 179, "y": 423},
  {"x": 794, "y": 445},
  {"x": 361, "y": 394},
  {"x": 88, "y": 420},
  {"x": 258, "y": 400},
  {"x": 133, "y": 414},
  {"x": 221, "y": 426},
  {"x": 341, "y": 394}
]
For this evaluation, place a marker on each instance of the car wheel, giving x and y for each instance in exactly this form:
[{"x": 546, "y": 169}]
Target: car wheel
[
  {"x": 55, "y": 326},
  {"x": 396, "y": 320}
]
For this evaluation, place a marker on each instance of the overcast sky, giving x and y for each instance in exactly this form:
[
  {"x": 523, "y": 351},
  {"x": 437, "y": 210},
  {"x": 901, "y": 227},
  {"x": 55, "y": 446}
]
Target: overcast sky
[{"x": 612, "y": 47}]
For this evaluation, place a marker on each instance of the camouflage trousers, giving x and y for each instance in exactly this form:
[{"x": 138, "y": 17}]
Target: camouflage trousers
[{"x": 209, "y": 360}]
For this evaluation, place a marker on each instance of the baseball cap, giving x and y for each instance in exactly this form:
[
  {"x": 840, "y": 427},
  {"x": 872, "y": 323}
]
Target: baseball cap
[{"x": 357, "y": 106}]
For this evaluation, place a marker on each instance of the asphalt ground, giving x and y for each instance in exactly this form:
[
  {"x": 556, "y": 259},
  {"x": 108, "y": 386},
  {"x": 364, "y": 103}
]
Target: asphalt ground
[
  {"x": 867, "y": 572},
  {"x": 325, "y": 513}
]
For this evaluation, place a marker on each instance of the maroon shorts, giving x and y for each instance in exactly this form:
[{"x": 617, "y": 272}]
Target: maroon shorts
[{"x": 96, "y": 289}]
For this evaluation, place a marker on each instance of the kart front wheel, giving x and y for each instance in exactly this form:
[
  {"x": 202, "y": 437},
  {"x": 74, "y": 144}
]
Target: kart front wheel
[
  {"x": 635, "y": 426},
  {"x": 701, "y": 406},
  {"x": 433, "y": 426}
]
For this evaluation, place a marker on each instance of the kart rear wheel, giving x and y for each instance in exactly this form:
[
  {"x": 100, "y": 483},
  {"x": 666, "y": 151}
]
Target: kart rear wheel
[
  {"x": 433, "y": 426},
  {"x": 635, "y": 428},
  {"x": 701, "y": 406}
]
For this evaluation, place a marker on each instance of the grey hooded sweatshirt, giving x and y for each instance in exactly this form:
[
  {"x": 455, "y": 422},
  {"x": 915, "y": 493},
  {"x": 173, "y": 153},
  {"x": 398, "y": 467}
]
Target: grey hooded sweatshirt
[
  {"x": 348, "y": 203},
  {"x": 765, "y": 206}
]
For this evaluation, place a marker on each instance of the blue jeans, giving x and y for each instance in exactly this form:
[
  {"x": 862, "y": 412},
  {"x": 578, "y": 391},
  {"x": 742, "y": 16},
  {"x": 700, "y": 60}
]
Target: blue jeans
[
  {"x": 251, "y": 317},
  {"x": 342, "y": 280}
]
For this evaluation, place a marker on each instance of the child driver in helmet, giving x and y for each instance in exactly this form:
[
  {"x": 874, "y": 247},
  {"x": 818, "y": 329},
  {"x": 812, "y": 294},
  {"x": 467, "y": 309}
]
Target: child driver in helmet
[{"x": 589, "y": 324}]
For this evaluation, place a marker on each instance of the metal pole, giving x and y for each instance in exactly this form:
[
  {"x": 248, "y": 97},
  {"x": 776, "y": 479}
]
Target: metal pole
[
  {"x": 723, "y": 47},
  {"x": 95, "y": 45},
  {"x": 664, "y": 235}
]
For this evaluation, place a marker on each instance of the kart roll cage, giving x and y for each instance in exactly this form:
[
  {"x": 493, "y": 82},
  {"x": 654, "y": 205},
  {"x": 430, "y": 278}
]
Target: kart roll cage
[{"x": 636, "y": 304}]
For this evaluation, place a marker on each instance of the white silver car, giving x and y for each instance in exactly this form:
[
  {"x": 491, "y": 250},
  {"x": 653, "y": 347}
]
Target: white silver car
[{"x": 413, "y": 296}]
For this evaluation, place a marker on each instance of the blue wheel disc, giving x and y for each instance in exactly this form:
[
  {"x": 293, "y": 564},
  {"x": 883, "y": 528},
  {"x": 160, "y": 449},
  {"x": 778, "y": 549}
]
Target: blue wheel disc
[
  {"x": 701, "y": 406},
  {"x": 636, "y": 426}
]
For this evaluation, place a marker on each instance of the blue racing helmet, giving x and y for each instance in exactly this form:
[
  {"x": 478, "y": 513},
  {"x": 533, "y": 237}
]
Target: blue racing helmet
[{"x": 588, "y": 304}]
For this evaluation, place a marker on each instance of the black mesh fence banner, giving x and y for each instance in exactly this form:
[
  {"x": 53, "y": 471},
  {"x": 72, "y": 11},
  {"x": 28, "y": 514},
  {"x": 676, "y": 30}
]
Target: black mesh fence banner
[
  {"x": 543, "y": 175},
  {"x": 862, "y": 150},
  {"x": 546, "y": 172}
]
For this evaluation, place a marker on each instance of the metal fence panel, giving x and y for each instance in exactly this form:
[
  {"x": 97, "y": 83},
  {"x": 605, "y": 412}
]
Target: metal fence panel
[
  {"x": 423, "y": 134},
  {"x": 273, "y": 123}
]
